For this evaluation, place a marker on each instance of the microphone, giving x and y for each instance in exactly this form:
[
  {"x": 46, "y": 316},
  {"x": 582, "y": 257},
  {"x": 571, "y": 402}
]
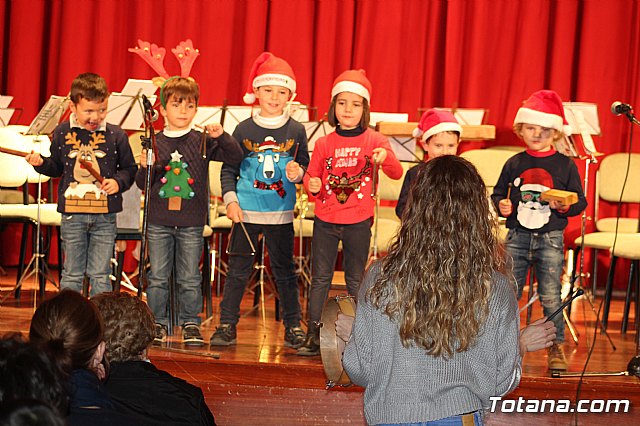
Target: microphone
[
  {"x": 618, "y": 108},
  {"x": 148, "y": 108}
]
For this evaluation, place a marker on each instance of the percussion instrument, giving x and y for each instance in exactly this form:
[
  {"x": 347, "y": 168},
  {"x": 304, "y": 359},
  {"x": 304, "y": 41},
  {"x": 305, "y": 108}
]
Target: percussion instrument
[
  {"x": 564, "y": 197},
  {"x": 331, "y": 358}
]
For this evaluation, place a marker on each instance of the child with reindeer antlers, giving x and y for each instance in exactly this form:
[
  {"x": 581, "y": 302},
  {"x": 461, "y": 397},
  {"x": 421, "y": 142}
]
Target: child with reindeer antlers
[
  {"x": 88, "y": 204},
  {"x": 260, "y": 195},
  {"x": 179, "y": 197},
  {"x": 341, "y": 175}
]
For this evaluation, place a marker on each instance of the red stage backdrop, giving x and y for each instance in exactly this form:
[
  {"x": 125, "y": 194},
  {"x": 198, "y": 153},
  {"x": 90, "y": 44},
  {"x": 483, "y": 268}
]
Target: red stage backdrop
[{"x": 417, "y": 53}]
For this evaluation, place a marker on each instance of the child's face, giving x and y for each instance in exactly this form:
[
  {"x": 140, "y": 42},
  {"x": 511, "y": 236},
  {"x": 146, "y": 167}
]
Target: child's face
[
  {"x": 444, "y": 143},
  {"x": 349, "y": 109},
  {"x": 179, "y": 114},
  {"x": 272, "y": 100},
  {"x": 90, "y": 113},
  {"x": 537, "y": 138}
]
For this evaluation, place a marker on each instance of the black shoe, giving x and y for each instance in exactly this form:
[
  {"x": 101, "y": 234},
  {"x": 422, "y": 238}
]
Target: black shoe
[
  {"x": 311, "y": 346},
  {"x": 161, "y": 334},
  {"x": 191, "y": 335},
  {"x": 225, "y": 335},
  {"x": 293, "y": 337}
]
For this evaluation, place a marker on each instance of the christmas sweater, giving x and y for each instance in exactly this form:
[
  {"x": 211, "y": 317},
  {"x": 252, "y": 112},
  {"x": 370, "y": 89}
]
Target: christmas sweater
[
  {"x": 530, "y": 173},
  {"x": 107, "y": 150},
  {"x": 181, "y": 171},
  {"x": 345, "y": 166},
  {"x": 259, "y": 184}
]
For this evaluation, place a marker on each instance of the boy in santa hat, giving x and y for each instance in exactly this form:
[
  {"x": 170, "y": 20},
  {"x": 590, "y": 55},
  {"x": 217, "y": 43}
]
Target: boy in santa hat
[
  {"x": 261, "y": 194},
  {"x": 536, "y": 228},
  {"x": 439, "y": 134}
]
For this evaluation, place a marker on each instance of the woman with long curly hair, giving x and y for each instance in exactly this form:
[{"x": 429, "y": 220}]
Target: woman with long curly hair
[{"x": 436, "y": 328}]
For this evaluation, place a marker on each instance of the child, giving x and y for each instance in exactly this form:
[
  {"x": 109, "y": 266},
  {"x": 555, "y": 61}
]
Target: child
[
  {"x": 341, "y": 176},
  {"x": 178, "y": 205},
  {"x": 536, "y": 227},
  {"x": 436, "y": 328},
  {"x": 88, "y": 207},
  {"x": 439, "y": 134},
  {"x": 261, "y": 194}
]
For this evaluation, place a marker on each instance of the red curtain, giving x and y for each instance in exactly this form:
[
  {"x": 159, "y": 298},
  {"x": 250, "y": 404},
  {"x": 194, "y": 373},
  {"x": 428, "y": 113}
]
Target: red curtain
[{"x": 417, "y": 53}]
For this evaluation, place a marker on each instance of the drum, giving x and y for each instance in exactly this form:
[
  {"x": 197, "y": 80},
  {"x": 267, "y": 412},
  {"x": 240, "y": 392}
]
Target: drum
[{"x": 331, "y": 358}]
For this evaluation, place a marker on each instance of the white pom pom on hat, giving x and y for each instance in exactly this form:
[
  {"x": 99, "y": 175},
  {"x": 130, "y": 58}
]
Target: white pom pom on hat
[
  {"x": 544, "y": 108},
  {"x": 269, "y": 70}
]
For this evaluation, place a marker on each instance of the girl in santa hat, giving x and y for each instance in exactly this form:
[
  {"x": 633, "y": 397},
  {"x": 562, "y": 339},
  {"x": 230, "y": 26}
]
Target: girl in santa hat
[{"x": 341, "y": 176}]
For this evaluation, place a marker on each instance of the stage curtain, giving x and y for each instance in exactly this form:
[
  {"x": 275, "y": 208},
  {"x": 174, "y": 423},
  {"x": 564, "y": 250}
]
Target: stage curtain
[{"x": 417, "y": 53}]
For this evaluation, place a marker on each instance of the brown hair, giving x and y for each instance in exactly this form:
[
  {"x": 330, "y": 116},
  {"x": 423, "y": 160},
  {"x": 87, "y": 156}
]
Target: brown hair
[
  {"x": 181, "y": 88},
  {"x": 129, "y": 325},
  {"x": 89, "y": 86},
  {"x": 70, "y": 327},
  {"x": 436, "y": 279},
  {"x": 364, "y": 120}
]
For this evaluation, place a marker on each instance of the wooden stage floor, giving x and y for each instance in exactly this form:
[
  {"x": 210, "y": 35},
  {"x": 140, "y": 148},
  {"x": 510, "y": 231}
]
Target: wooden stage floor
[{"x": 259, "y": 381}]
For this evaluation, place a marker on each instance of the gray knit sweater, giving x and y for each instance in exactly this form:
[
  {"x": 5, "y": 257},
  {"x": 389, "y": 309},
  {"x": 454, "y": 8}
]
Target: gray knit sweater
[{"x": 405, "y": 385}]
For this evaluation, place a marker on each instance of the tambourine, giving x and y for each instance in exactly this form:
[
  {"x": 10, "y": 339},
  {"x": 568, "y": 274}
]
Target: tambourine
[{"x": 331, "y": 358}]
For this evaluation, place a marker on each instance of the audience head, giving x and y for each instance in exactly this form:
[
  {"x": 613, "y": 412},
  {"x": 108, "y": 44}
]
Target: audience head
[
  {"x": 29, "y": 412},
  {"x": 70, "y": 327},
  {"x": 28, "y": 373},
  {"x": 129, "y": 326}
]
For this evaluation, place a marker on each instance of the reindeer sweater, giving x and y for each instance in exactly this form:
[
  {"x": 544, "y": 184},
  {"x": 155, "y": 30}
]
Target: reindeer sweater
[
  {"x": 259, "y": 184},
  {"x": 345, "y": 166},
  {"x": 78, "y": 191},
  {"x": 193, "y": 210}
]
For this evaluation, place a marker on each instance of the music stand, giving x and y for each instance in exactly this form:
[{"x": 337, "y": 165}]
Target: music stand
[
  {"x": 227, "y": 115},
  {"x": 126, "y": 109},
  {"x": 5, "y": 111}
]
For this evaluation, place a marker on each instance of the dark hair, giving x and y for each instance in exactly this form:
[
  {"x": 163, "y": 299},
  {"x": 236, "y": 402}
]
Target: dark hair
[
  {"x": 70, "y": 327},
  {"x": 181, "y": 88},
  {"x": 89, "y": 86},
  {"x": 29, "y": 412},
  {"x": 436, "y": 279},
  {"x": 129, "y": 325},
  {"x": 364, "y": 120},
  {"x": 26, "y": 372}
]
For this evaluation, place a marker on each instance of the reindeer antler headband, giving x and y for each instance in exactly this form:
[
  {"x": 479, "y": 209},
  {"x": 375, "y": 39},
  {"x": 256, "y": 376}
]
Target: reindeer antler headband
[{"x": 154, "y": 56}]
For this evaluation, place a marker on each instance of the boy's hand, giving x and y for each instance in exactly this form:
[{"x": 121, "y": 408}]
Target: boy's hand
[
  {"x": 505, "y": 207},
  {"x": 558, "y": 205},
  {"x": 292, "y": 170},
  {"x": 110, "y": 186},
  {"x": 34, "y": 159},
  {"x": 234, "y": 212},
  {"x": 214, "y": 130},
  {"x": 143, "y": 158},
  {"x": 315, "y": 185},
  {"x": 379, "y": 155}
]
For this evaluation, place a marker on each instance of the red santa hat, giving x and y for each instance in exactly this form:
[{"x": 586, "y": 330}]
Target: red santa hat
[
  {"x": 544, "y": 108},
  {"x": 354, "y": 81},
  {"x": 269, "y": 70},
  {"x": 535, "y": 179},
  {"x": 435, "y": 121}
]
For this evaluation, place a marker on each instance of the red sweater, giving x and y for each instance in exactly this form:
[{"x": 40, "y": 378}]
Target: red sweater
[{"x": 346, "y": 168}]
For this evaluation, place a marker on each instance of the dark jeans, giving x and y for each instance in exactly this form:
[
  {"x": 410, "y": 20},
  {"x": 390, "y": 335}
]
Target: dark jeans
[
  {"x": 545, "y": 252},
  {"x": 279, "y": 241},
  {"x": 324, "y": 247}
]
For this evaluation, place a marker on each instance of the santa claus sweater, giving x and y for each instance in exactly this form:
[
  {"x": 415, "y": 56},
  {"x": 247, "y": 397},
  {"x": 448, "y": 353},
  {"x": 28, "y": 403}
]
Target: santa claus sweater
[
  {"x": 345, "y": 166},
  {"x": 185, "y": 151},
  {"x": 530, "y": 173}
]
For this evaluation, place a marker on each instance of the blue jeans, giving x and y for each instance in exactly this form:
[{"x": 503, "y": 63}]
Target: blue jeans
[
  {"x": 324, "y": 248},
  {"x": 88, "y": 243},
  {"x": 279, "y": 241},
  {"x": 182, "y": 246},
  {"x": 448, "y": 421},
  {"x": 545, "y": 252}
]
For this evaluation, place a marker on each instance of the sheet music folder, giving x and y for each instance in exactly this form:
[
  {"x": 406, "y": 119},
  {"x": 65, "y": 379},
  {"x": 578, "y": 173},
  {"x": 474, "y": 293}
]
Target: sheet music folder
[{"x": 49, "y": 116}]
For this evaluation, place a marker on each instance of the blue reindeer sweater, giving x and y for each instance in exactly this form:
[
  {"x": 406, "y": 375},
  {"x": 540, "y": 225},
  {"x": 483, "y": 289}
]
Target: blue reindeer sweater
[{"x": 259, "y": 184}]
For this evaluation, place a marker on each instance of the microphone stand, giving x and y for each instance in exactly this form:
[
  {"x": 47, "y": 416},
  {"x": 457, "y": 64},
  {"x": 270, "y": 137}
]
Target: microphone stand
[{"x": 148, "y": 143}]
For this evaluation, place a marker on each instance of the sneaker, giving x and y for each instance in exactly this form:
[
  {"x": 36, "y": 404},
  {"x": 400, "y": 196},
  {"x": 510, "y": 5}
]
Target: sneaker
[
  {"x": 191, "y": 335},
  {"x": 225, "y": 335},
  {"x": 294, "y": 337},
  {"x": 555, "y": 358},
  {"x": 311, "y": 345},
  {"x": 161, "y": 334}
]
